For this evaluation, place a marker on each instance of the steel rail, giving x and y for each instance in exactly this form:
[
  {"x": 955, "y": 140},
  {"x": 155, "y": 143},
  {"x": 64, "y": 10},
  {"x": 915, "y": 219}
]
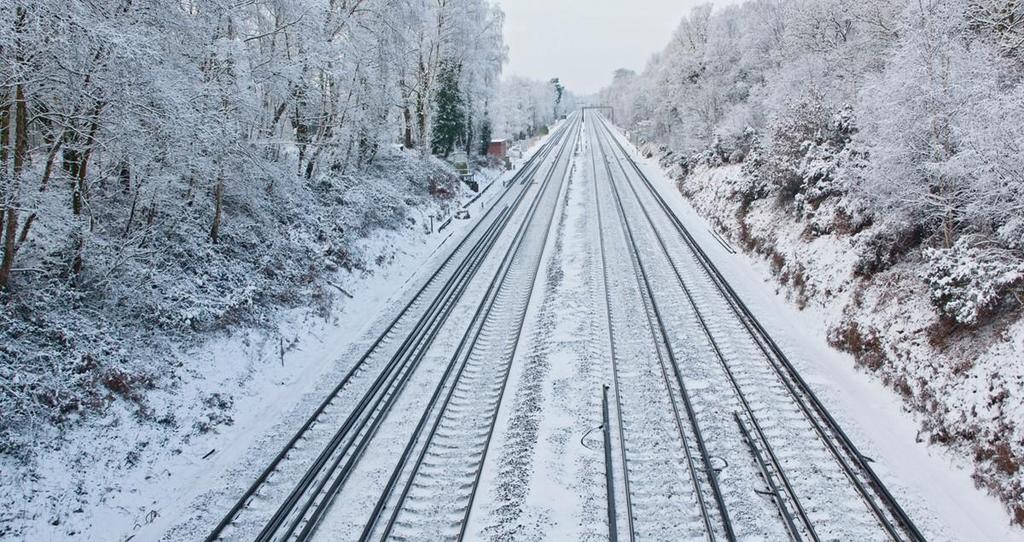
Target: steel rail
[
  {"x": 490, "y": 433},
  {"x": 809, "y": 403},
  {"x": 533, "y": 163},
  {"x": 645, "y": 285},
  {"x": 463, "y": 351},
  {"x": 391, "y": 379},
  {"x": 748, "y": 410},
  {"x": 614, "y": 356},
  {"x": 318, "y": 510},
  {"x": 773, "y": 488},
  {"x": 609, "y": 478}
]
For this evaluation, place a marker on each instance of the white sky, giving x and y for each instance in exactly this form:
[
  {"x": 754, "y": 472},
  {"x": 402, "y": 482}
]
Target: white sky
[{"x": 584, "y": 41}]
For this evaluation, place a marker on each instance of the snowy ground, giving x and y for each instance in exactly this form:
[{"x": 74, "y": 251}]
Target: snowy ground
[
  {"x": 542, "y": 480},
  {"x": 584, "y": 322},
  {"x": 119, "y": 477},
  {"x": 934, "y": 485}
]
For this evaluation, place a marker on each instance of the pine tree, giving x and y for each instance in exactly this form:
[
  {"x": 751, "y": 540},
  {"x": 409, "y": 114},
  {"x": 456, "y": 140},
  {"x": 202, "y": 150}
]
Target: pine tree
[
  {"x": 450, "y": 117},
  {"x": 559, "y": 90},
  {"x": 486, "y": 131}
]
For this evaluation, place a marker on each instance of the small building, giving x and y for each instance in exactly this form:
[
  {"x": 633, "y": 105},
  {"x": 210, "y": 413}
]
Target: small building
[
  {"x": 498, "y": 148},
  {"x": 460, "y": 160}
]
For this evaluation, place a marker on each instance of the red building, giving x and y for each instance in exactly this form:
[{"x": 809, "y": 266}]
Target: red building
[{"x": 498, "y": 148}]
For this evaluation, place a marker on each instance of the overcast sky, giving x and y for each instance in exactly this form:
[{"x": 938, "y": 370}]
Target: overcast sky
[{"x": 584, "y": 41}]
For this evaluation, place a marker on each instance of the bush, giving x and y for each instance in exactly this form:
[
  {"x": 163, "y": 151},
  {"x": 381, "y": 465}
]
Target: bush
[
  {"x": 966, "y": 283},
  {"x": 863, "y": 344},
  {"x": 68, "y": 348},
  {"x": 791, "y": 135},
  {"x": 885, "y": 245}
]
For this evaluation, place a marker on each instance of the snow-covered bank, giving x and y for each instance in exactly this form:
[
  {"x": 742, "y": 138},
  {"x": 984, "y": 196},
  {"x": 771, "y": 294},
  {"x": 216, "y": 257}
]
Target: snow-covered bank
[
  {"x": 870, "y": 153},
  {"x": 962, "y": 383},
  {"x": 120, "y": 471},
  {"x": 964, "y": 406},
  {"x": 140, "y": 467}
]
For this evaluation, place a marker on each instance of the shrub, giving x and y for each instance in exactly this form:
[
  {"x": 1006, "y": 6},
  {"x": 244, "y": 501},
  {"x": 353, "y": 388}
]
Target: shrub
[
  {"x": 885, "y": 245},
  {"x": 865, "y": 345},
  {"x": 966, "y": 283}
]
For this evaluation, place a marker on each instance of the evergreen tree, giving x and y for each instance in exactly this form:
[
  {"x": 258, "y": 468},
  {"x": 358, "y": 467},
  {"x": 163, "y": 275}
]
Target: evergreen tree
[
  {"x": 485, "y": 135},
  {"x": 559, "y": 90},
  {"x": 450, "y": 110}
]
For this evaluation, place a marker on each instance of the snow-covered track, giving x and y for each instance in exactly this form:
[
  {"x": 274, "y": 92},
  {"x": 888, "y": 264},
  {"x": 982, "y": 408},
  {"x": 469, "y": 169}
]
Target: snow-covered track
[
  {"x": 441, "y": 482},
  {"x": 760, "y": 374},
  {"x": 719, "y": 442},
  {"x": 779, "y": 487},
  {"x": 299, "y": 482},
  {"x": 671, "y": 486}
]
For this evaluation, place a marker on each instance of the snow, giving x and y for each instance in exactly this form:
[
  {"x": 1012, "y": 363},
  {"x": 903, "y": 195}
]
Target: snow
[
  {"x": 117, "y": 476},
  {"x": 539, "y": 480},
  {"x": 934, "y": 485},
  {"x": 249, "y": 367},
  {"x": 120, "y": 477}
]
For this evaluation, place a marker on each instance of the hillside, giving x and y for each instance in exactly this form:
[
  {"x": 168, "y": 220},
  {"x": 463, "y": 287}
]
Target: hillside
[{"x": 871, "y": 152}]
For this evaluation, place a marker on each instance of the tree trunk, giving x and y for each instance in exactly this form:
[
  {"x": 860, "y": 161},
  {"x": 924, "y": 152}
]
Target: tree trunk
[
  {"x": 299, "y": 124},
  {"x": 24, "y": 231},
  {"x": 273, "y": 149},
  {"x": 467, "y": 131},
  {"x": 125, "y": 174},
  {"x": 21, "y": 130},
  {"x": 131, "y": 214},
  {"x": 218, "y": 199},
  {"x": 407, "y": 139},
  {"x": 51, "y": 157},
  {"x": 80, "y": 192},
  {"x": 20, "y": 154},
  {"x": 5, "y": 142},
  {"x": 422, "y": 107},
  {"x": 5, "y": 129},
  {"x": 10, "y": 233},
  {"x": 70, "y": 158}
]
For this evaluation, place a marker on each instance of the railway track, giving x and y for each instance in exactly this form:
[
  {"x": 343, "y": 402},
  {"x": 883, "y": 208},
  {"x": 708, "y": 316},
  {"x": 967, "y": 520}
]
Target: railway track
[
  {"x": 802, "y": 454},
  {"x": 671, "y": 486},
  {"x": 441, "y": 482},
  {"x": 316, "y": 462},
  {"x": 709, "y": 431},
  {"x": 695, "y": 377}
]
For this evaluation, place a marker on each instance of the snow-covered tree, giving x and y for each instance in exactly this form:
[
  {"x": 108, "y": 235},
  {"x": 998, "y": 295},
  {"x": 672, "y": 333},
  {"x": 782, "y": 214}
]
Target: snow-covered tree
[
  {"x": 933, "y": 87},
  {"x": 526, "y": 106},
  {"x": 172, "y": 167}
]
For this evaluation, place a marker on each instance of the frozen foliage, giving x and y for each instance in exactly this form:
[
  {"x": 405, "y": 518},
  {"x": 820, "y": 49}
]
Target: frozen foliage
[
  {"x": 526, "y": 107},
  {"x": 70, "y": 350},
  {"x": 172, "y": 169},
  {"x": 930, "y": 91},
  {"x": 965, "y": 282},
  {"x": 872, "y": 152}
]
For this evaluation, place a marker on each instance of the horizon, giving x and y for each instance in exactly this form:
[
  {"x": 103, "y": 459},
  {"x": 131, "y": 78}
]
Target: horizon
[{"x": 586, "y": 55}]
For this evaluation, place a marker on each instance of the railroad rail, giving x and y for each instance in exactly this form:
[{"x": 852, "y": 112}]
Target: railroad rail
[
  {"x": 456, "y": 444},
  {"x": 431, "y": 485},
  {"x": 886, "y": 510},
  {"x": 702, "y": 474},
  {"x": 305, "y": 504}
]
